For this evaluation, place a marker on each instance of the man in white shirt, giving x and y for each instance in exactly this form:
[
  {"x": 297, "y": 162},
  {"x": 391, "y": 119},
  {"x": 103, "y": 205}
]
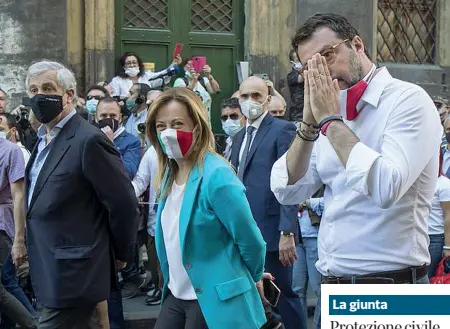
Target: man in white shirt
[{"x": 377, "y": 156}]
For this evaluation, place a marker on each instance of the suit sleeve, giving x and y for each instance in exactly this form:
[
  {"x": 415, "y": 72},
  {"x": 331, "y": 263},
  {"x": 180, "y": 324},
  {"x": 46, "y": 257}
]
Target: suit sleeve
[
  {"x": 288, "y": 214},
  {"x": 230, "y": 205},
  {"x": 131, "y": 158},
  {"x": 103, "y": 168}
]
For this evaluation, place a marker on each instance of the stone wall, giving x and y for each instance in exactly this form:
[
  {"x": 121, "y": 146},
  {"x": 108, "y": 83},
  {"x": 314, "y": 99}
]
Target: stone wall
[{"x": 30, "y": 31}]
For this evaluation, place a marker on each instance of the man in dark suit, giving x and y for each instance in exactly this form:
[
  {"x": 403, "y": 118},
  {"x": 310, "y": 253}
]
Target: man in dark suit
[
  {"x": 255, "y": 149},
  {"x": 81, "y": 209}
]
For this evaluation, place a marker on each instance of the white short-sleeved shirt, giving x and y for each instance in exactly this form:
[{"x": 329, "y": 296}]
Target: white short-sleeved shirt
[
  {"x": 436, "y": 218},
  {"x": 179, "y": 283},
  {"x": 121, "y": 86}
]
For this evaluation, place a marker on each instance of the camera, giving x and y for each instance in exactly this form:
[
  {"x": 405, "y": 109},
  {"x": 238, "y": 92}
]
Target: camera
[{"x": 141, "y": 128}]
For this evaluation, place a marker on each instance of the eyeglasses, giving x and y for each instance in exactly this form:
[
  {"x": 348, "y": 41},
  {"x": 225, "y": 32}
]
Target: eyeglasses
[
  {"x": 88, "y": 98},
  {"x": 330, "y": 55},
  {"x": 233, "y": 116},
  {"x": 133, "y": 63}
]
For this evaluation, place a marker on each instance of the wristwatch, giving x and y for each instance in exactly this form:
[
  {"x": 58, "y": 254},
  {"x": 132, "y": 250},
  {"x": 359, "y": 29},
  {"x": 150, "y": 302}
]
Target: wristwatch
[{"x": 286, "y": 233}]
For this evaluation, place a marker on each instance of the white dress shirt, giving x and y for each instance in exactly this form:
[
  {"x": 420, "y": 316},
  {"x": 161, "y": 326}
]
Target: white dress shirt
[
  {"x": 144, "y": 178},
  {"x": 179, "y": 283},
  {"x": 376, "y": 209},
  {"x": 256, "y": 125},
  {"x": 441, "y": 194}
]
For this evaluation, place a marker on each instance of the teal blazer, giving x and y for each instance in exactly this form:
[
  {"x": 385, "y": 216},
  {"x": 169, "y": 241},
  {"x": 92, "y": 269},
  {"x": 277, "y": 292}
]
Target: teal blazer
[{"x": 222, "y": 248}]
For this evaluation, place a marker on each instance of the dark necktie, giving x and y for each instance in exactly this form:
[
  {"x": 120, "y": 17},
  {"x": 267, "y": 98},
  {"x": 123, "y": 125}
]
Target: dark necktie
[{"x": 243, "y": 161}]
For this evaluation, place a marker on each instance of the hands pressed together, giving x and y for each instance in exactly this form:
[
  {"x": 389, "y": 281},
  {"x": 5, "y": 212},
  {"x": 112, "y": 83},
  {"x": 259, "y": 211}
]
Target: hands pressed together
[{"x": 321, "y": 92}]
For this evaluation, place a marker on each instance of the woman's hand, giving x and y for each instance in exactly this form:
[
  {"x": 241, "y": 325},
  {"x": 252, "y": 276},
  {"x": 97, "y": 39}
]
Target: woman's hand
[
  {"x": 177, "y": 60},
  {"x": 260, "y": 287}
]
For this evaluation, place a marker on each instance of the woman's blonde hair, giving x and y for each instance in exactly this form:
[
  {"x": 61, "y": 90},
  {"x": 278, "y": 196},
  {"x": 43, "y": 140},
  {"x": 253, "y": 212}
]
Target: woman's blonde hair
[{"x": 204, "y": 141}]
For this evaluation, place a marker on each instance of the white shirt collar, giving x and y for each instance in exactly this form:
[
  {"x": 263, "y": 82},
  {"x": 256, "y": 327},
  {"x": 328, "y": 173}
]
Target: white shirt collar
[
  {"x": 376, "y": 87},
  {"x": 258, "y": 121}
]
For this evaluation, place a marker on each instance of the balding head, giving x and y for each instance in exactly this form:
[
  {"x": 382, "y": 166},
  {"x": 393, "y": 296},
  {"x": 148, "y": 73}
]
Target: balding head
[
  {"x": 277, "y": 107},
  {"x": 236, "y": 94},
  {"x": 254, "y": 88},
  {"x": 152, "y": 95}
]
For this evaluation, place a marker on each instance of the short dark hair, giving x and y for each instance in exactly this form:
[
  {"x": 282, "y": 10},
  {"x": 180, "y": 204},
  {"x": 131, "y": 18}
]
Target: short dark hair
[
  {"x": 185, "y": 61},
  {"x": 109, "y": 100},
  {"x": 143, "y": 90},
  {"x": 11, "y": 122},
  {"x": 2, "y": 91},
  {"x": 122, "y": 60},
  {"x": 231, "y": 102},
  {"x": 335, "y": 22},
  {"x": 100, "y": 88}
]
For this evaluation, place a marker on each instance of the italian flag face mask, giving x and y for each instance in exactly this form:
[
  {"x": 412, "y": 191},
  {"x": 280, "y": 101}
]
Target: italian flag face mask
[{"x": 175, "y": 143}]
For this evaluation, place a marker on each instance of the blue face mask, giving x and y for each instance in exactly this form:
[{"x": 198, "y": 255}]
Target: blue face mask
[
  {"x": 91, "y": 106},
  {"x": 231, "y": 127}
]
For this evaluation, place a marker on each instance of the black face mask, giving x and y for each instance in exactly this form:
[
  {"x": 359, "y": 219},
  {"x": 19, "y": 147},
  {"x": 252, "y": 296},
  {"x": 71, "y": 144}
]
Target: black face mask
[
  {"x": 447, "y": 136},
  {"x": 110, "y": 122},
  {"x": 46, "y": 107}
]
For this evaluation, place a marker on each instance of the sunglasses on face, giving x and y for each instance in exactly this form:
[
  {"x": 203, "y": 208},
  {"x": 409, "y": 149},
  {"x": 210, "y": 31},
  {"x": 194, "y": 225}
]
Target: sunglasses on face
[
  {"x": 94, "y": 97},
  {"x": 330, "y": 55},
  {"x": 438, "y": 105},
  {"x": 233, "y": 116}
]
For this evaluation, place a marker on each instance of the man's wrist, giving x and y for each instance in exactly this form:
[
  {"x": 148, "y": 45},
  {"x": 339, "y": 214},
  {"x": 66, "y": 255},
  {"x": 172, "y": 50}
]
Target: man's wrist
[
  {"x": 447, "y": 247},
  {"x": 286, "y": 233}
]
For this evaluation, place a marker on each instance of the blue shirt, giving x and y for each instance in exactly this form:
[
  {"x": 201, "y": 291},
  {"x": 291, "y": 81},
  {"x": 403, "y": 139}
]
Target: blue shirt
[
  {"x": 43, "y": 150},
  {"x": 309, "y": 231}
]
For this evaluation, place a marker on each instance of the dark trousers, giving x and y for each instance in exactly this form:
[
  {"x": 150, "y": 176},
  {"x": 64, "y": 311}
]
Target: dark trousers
[
  {"x": 131, "y": 271},
  {"x": 289, "y": 306},
  {"x": 11, "y": 284},
  {"x": 180, "y": 314},
  {"x": 69, "y": 318},
  {"x": 8, "y": 303},
  {"x": 153, "y": 263},
  {"x": 115, "y": 310}
]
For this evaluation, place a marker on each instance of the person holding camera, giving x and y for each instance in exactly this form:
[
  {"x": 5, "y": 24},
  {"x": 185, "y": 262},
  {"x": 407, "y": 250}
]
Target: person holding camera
[{"x": 13, "y": 132}]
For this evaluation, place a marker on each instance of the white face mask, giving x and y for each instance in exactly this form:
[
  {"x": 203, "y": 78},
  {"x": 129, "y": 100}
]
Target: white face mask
[
  {"x": 132, "y": 71},
  {"x": 231, "y": 127},
  {"x": 253, "y": 110},
  {"x": 3, "y": 134}
]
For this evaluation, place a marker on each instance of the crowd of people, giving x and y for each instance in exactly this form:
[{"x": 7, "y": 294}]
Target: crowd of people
[{"x": 122, "y": 191}]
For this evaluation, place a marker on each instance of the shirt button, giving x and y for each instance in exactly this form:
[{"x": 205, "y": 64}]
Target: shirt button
[
  {"x": 336, "y": 198},
  {"x": 188, "y": 266},
  {"x": 330, "y": 224},
  {"x": 198, "y": 290}
]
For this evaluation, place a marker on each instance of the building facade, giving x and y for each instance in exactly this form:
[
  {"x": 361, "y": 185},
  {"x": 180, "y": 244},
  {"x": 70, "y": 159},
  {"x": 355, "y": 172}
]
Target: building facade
[{"x": 410, "y": 37}]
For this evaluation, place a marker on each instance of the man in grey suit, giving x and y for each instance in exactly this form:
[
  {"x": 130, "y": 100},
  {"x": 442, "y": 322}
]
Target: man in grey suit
[{"x": 81, "y": 210}]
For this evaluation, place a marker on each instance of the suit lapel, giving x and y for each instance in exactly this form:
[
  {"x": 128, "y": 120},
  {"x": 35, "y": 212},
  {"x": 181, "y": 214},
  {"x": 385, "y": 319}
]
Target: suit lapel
[
  {"x": 190, "y": 196},
  {"x": 56, "y": 153},
  {"x": 236, "y": 147},
  {"x": 260, "y": 133}
]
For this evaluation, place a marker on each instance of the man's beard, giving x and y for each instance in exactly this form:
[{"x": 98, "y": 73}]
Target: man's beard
[{"x": 356, "y": 73}]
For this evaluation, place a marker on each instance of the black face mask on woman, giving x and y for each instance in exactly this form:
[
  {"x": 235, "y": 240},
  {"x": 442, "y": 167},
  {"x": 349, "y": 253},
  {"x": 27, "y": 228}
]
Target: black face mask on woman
[{"x": 46, "y": 107}]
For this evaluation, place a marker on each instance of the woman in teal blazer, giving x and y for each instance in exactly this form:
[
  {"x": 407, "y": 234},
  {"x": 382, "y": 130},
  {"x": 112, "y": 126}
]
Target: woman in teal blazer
[{"x": 210, "y": 249}]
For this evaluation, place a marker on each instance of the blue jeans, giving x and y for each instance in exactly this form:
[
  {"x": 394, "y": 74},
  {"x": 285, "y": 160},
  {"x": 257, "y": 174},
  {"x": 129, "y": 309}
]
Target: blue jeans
[
  {"x": 11, "y": 284},
  {"x": 305, "y": 272},
  {"x": 435, "y": 248}
]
